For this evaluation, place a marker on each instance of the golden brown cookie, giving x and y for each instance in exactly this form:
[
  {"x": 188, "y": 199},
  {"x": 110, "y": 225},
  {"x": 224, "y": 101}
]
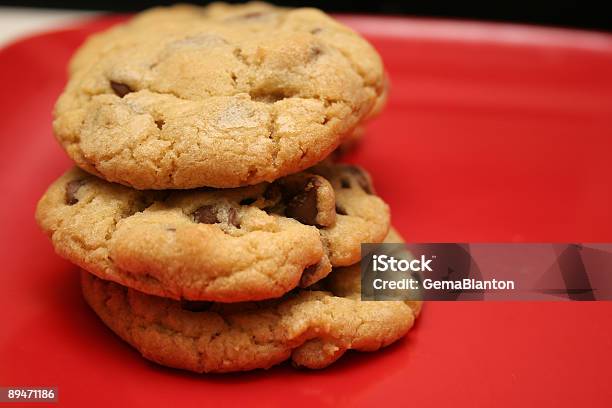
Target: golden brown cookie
[
  {"x": 220, "y": 96},
  {"x": 313, "y": 328},
  {"x": 229, "y": 245}
]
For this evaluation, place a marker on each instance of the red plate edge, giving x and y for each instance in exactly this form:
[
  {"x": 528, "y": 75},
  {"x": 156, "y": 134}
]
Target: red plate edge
[{"x": 501, "y": 353}]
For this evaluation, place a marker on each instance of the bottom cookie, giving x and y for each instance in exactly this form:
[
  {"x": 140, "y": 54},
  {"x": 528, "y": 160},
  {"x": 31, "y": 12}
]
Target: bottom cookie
[{"x": 313, "y": 328}]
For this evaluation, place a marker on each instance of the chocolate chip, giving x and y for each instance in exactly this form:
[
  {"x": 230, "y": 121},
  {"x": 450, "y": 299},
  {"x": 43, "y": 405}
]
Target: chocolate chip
[
  {"x": 316, "y": 30},
  {"x": 206, "y": 214},
  {"x": 120, "y": 89},
  {"x": 273, "y": 199},
  {"x": 252, "y": 14},
  {"x": 345, "y": 183},
  {"x": 232, "y": 217},
  {"x": 315, "y": 52},
  {"x": 195, "y": 305},
  {"x": 340, "y": 210},
  {"x": 160, "y": 123},
  {"x": 71, "y": 189},
  {"x": 307, "y": 274},
  {"x": 361, "y": 178},
  {"x": 209, "y": 214},
  {"x": 170, "y": 229},
  {"x": 272, "y": 192},
  {"x": 303, "y": 205},
  {"x": 247, "y": 201}
]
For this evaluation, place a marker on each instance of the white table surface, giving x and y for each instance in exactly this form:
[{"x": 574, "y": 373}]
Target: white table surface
[{"x": 17, "y": 22}]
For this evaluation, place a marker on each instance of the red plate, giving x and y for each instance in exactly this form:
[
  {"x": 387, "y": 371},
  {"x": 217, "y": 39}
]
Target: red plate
[{"x": 492, "y": 133}]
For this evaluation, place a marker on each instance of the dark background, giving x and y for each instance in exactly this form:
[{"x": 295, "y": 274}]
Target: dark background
[{"x": 580, "y": 14}]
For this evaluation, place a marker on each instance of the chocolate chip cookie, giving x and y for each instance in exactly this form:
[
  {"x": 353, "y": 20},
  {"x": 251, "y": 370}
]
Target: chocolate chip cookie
[
  {"x": 313, "y": 328},
  {"x": 220, "y": 96},
  {"x": 249, "y": 243}
]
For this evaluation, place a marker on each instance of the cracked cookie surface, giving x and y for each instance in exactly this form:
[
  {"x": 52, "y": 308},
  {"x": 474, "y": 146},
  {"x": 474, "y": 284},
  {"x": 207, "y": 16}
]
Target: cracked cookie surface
[
  {"x": 313, "y": 328},
  {"x": 249, "y": 243},
  {"x": 168, "y": 99}
]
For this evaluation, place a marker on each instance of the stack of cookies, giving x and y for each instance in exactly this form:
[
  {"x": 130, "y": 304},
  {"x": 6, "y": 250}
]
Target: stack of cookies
[{"x": 212, "y": 230}]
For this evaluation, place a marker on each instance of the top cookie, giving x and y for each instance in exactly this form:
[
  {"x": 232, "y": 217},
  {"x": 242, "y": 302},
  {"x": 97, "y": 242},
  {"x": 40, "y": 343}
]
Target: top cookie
[{"x": 219, "y": 96}]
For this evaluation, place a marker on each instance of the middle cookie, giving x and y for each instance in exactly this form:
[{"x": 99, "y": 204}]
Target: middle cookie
[{"x": 231, "y": 245}]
